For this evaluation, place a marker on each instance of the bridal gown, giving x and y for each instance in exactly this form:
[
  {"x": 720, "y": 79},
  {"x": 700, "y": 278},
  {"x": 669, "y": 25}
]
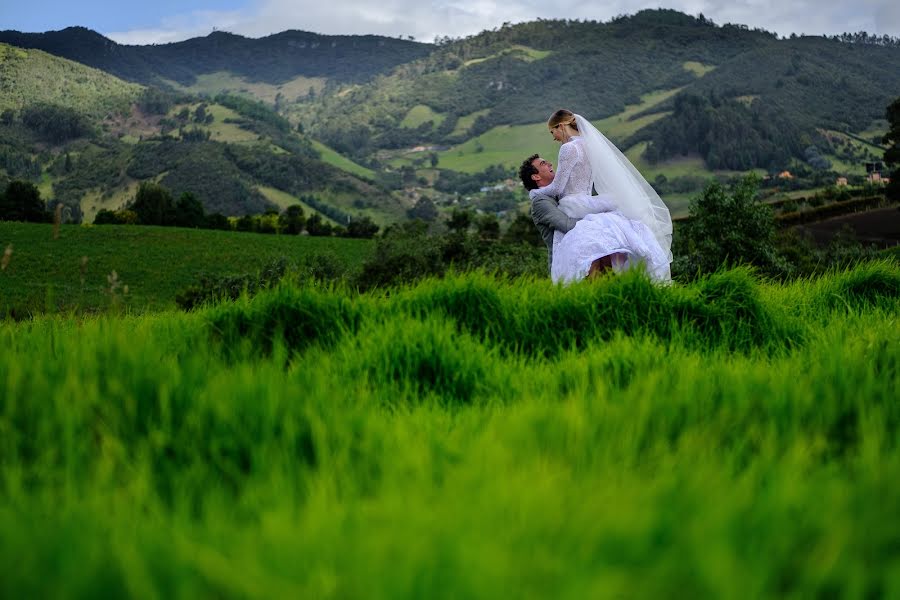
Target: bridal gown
[{"x": 602, "y": 230}]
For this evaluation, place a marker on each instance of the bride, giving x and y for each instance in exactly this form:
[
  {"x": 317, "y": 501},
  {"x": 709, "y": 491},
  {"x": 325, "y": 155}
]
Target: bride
[{"x": 625, "y": 225}]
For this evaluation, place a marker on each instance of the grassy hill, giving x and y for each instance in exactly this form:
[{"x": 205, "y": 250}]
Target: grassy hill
[
  {"x": 155, "y": 263},
  {"x": 462, "y": 438},
  {"x": 222, "y": 151},
  {"x": 29, "y": 77}
]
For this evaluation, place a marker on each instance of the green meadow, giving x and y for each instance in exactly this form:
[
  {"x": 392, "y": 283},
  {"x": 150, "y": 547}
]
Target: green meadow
[
  {"x": 421, "y": 114},
  {"x": 156, "y": 263},
  {"x": 462, "y": 438}
]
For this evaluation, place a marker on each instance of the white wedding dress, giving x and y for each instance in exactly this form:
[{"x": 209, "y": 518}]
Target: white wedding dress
[{"x": 602, "y": 229}]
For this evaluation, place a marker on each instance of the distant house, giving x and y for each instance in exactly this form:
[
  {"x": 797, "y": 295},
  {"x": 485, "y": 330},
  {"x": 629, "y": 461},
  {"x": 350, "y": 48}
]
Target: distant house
[
  {"x": 875, "y": 177},
  {"x": 785, "y": 175},
  {"x": 841, "y": 182}
]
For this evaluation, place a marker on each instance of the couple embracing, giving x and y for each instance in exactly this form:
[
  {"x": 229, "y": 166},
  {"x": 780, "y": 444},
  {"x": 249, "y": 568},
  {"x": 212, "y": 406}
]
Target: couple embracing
[{"x": 625, "y": 225}]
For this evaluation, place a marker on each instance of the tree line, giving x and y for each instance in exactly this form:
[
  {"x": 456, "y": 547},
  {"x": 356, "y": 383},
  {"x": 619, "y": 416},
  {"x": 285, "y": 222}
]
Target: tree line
[{"x": 153, "y": 204}]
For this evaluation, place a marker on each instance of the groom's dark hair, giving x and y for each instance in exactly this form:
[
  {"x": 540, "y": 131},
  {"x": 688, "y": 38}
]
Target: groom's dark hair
[{"x": 527, "y": 170}]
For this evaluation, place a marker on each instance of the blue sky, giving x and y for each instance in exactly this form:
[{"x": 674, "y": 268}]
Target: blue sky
[
  {"x": 43, "y": 15},
  {"x": 160, "y": 21}
]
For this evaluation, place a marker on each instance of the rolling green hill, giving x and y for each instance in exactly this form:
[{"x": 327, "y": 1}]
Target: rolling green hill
[
  {"x": 87, "y": 139},
  {"x": 29, "y": 77},
  {"x": 607, "y": 71}
]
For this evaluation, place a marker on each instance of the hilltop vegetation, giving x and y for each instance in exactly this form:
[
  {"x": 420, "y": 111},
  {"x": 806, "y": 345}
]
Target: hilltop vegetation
[
  {"x": 89, "y": 139},
  {"x": 462, "y": 438},
  {"x": 849, "y": 86},
  {"x": 274, "y": 59}
]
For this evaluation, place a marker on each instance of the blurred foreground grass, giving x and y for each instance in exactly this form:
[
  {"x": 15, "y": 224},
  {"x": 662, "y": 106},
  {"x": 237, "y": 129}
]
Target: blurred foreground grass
[{"x": 462, "y": 438}]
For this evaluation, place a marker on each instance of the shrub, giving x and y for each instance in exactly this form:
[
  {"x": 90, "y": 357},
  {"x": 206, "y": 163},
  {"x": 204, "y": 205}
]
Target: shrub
[{"x": 726, "y": 227}]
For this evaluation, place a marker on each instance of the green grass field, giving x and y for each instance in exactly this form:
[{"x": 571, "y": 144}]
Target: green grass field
[
  {"x": 156, "y": 263},
  {"x": 462, "y": 438},
  {"x": 464, "y": 123},
  {"x": 420, "y": 114}
]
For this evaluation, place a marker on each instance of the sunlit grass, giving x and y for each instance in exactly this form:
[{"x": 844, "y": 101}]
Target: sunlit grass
[
  {"x": 341, "y": 162},
  {"x": 282, "y": 200},
  {"x": 697, "y": 68},
  {"x": 464, "y": 123},
  {"x": 420, "y": 114}
]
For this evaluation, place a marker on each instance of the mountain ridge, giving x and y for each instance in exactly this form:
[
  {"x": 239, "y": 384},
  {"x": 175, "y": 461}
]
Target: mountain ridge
[{"x": 272, "y": 59}]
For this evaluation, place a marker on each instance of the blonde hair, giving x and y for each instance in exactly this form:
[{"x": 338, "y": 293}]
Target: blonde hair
[{"x": 562, "y": 117}]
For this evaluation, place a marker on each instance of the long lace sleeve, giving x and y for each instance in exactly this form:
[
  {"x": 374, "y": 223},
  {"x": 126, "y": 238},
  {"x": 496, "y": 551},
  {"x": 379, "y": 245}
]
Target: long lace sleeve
[{"x": 568, "y": 156}]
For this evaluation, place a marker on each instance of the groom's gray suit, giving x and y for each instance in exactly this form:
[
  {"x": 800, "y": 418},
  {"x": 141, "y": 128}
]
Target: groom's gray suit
[{"x": 548, "y": 217}]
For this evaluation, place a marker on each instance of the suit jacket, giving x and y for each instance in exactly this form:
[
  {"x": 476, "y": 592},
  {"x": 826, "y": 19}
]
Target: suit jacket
[{"x": 548, "y": 217}]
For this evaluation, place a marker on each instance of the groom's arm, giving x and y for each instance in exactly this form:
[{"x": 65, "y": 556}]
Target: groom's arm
[{"x": 544, "y": 211}]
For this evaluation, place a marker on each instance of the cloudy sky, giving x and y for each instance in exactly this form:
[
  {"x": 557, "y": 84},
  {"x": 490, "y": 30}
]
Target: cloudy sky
[{"x": 162, "y": 21}]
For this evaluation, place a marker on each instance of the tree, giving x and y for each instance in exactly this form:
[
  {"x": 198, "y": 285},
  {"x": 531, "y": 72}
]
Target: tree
[
  {"x": 459, "y": 221},
  {"x": 523, "y": 231},
  {"x": 154, "y": 101},
  {"x": 424, "y": 209},
  {"x": 189, "y": 211},
  {"x": 245, "y": 223},
  {"x": 22, "y": 202},
  {"x": 292, "y": 220},
  {"x": 153, "y": 205},
  {"x": 317, "y": 226},
  {"x": 892, "y": 154},
  {"x": 727, "y": 228},
  {"x": 362, "y": 228},
  {"x": 217, "y": 221},
  {"x": 55, "y": 123},
  {"x": 488, "y": 227},
  {"x": 105, "y": 217}
]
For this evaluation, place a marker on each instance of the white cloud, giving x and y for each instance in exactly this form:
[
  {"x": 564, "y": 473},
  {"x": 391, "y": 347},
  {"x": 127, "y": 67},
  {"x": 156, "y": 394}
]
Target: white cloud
[
  {"x": 425, "y": 19},
  {"x": 182, "y": 27}
]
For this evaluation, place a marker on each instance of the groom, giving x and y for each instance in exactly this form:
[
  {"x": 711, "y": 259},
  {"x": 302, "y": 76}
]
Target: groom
[{"x": 535, "y": 172}]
